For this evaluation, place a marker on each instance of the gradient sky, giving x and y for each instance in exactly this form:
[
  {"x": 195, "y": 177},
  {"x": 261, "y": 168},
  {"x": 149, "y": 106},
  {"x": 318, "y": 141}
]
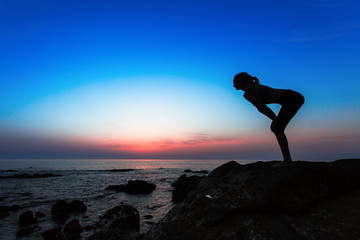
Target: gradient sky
[{"x": 153, "y": 79}]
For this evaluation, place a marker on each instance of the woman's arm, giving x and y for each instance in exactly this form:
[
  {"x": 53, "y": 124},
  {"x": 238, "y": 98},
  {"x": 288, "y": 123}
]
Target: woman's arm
[{"x": 261, "y": 107}]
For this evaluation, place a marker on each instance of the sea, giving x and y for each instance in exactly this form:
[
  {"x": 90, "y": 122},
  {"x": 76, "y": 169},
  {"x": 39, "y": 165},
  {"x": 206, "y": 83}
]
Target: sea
[{"x": 86, "y": 180}]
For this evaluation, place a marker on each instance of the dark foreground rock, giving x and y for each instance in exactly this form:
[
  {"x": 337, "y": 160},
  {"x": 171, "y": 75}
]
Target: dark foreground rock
[
  {"x": 26, "y": 218},
  {"x": 77, "y": 206},
  {"x": 183, "y": 185},
  {"x": 53, "y": 234},
  {"x": 61, "y": 210},
  {"x": 196, "y": 172},
  {"x": 73, "y": 230},
  {"x": 134, "y": 187},
  {"x": 307, "y": 200},
  {"x": 121, "y": 222},
  {"x": 4, "y": 211}
]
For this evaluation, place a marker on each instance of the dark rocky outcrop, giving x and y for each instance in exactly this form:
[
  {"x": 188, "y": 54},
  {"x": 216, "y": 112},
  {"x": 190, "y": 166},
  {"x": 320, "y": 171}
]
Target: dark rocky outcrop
[
  {"x": 121, "y": 170},
  {"x": 183, "y": 186},
  {"x": 77, "y": 206},
  {"x": 120, "y": 222},
  {"x": 53, "y": 234},
  {"x": 40, "y": 214},
  {"x": 134, "y": 187},
  {"x": 73, "y": 230},
  {"x": 25, "y": 230},
  {"x": 26, "y": 224},
  {"x": 61, "y": 210},
  {"x": 4, "y": 211},
  {"x": 14, "y": 208},
  {"x": 306, "y": 200},
  {"x": 29, "y": 176},
  {"x": 26, "y": 218},
  {"x": 198, "y": 172}
]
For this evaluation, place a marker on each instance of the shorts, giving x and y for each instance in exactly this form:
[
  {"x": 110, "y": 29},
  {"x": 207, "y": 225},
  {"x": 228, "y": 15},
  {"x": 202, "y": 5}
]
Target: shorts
[{"x": 291, "y": 102}]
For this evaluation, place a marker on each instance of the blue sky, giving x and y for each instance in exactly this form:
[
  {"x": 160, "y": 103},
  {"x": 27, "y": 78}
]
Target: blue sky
[{"x": 90, "y": 75}]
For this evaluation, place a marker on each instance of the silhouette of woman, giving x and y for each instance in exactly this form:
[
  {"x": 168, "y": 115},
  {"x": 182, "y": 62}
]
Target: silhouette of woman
[{"x": 260, "y": 95}]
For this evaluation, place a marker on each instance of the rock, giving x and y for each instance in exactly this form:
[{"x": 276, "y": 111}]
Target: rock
[
  {"x": 134, "y": 187},
  {"x": 183, "y": 186},
  {"x": 53, "y": 234},
  {"x": 118, "y": 188},
  {"x": 306, "y": 200},
  {"x": 77, "y": 206},
  {"x": 191, "y": 171},
  {"x": 139, "y": 187},
  {"x": 88, "y": 227},
  {"x": 25, "y": 230},
  {"x": 26, "y": 218},
  {"x": 26, "y": 194},
  {"x": 73, "y": 230},
  {"x": 28, "y": 176},
  {"x": 40, "y": 214},
  {"x": 4, "y": 212},
  {"x": 121, "y": 170},
  {"x": 121, "y": 222},
  {"x": 60, "y": 211},
  {"x": 148, "y": 216},
  {"x": 14, "y": 208}
]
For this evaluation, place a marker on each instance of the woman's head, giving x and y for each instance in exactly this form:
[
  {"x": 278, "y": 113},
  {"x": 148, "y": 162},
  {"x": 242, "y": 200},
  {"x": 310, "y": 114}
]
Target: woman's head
[{"x": 242, "y": 80}]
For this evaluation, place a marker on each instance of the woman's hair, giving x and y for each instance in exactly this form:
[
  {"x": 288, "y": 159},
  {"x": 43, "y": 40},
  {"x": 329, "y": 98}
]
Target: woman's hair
[{"x": 246, "y": 78}]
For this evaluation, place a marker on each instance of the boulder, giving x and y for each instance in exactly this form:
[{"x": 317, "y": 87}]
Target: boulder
[
  {"x": 25, "y": 230},
  {"x": 14, "y": 208},
  {"x": 53, "y": 234},
  {"x": 305, "y": 200},
  {"x": 77, "y": 206},
  {"x": 60, "y": 211},
  {"x": 139, "y": 187},
  {"x": 117, "y": 188},
  {"x": 121, "y": 222},
  {"x": 4, "y": 212},
  {"x": 40, "y": 214},
  {"x": 192, "y": 171},
  {"x": 183, "y": 186},
  {"x": 134, "y": 187},
  {"x": 73, "y": 230},
  {"x": 26, "y": 218}
]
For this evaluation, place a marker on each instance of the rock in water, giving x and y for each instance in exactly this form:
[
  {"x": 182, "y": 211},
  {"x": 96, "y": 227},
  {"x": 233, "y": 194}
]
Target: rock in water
[
  {"x": 139, "y": 187},
  {"x": 134, "y": 187},
  {"x": 183, "y": 186},
  {"x": 60, "y": 211},
  {"x": 307, "y": 200},
  {"x": 4, "y": 211},
  {"x": 121, "y": 222},
  {"x": 73, "y": 230},
  {"x": 26, "y": 218},
  {"x": 77, "y": 206},
  {"x": 52, "y": 234}
]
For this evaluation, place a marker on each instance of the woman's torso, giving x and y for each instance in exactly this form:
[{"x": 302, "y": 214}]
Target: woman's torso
[{"x": 267, "y": 94}]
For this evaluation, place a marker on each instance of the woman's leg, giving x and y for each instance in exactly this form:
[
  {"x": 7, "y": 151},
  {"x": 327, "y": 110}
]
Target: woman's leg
[
  {"x": 284, "y": 146},
  {"x": 291, "y": 105}
]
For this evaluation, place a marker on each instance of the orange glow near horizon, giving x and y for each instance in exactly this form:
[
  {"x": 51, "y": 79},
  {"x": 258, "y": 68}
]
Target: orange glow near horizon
[{"x": 186, "y": 144}]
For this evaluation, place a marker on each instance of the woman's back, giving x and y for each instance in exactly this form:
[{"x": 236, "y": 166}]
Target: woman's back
[{"x": 266, "y": 94}]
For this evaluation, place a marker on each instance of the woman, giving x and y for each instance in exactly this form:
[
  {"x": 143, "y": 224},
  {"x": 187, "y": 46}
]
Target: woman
[{"x": 260, "y": 95}]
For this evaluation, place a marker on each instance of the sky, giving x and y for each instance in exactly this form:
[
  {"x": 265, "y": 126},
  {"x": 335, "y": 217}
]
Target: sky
[{"x": 153, "y": 79}]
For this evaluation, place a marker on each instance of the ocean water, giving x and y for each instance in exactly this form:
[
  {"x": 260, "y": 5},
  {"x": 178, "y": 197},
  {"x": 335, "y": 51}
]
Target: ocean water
[{"x": 86, "y": 180}]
